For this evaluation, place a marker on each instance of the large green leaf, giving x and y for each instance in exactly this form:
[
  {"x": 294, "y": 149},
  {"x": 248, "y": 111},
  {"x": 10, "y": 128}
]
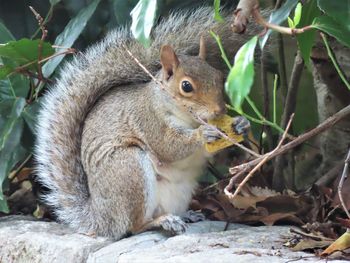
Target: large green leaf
[
  {"x": 16, "y": 85},
  {"x": 339, "y": 10},
  {"x": 277, "y": 17},
  {"x": 11, "y": 110},
  {"x": 22, "y": 52},
  {"x": 122, "y": 10},
  {"x": 5, "y": 34},
  {"x": 143, "y": 17},
  {"x": 241, "y": 76},
  {"x": 70, "y": 33},
  {"x": 10, "y": 136},
  {"x": 331, "y": 27},
  {"x": 30, "y": 114},
  {"x": 307, "y": 39}
]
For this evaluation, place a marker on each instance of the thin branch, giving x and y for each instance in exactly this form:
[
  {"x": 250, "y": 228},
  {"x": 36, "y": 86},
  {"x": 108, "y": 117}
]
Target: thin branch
[
  {"x": 344, "y": 176},
  {"x": 239, "y": 170},
  {"x": 40, "y": 46},
  {"x": 289, "y": 108},
  {"x": 263, "y": 160},
  {"x": 68, "y": 51},
  {"x": 281, "y": 29}
]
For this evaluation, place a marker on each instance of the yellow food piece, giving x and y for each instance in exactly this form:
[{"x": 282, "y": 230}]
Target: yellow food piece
[{"x": 223, "y": 123}]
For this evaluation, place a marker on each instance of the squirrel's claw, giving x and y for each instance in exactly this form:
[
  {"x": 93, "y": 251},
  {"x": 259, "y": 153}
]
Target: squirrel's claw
[
  {"x": 172, "y": 224},
  {"x": 240, "y": 125},
  {"x": 210, "y": 134}
]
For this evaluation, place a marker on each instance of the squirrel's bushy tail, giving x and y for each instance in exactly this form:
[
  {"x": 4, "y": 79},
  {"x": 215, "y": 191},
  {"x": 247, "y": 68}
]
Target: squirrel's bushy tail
[{"x": 85, "y": 79}]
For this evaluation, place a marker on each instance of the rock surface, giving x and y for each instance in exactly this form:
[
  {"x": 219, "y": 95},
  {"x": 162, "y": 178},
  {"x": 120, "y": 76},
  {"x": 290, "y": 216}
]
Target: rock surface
[{"x": 26, "y": 240}]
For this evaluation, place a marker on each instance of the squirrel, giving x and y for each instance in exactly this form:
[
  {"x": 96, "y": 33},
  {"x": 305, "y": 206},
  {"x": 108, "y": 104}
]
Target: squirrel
[{"x": 120, "y": 155}]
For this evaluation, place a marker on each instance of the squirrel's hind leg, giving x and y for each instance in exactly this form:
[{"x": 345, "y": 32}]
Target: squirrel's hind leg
[
  {"x": 169, "y": 223},
  {"x": 121, "y": 191}
]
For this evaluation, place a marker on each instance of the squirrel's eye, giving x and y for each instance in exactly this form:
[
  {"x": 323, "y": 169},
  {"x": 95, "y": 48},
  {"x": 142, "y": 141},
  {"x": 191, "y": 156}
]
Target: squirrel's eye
[{"x": 186, "y": 86}]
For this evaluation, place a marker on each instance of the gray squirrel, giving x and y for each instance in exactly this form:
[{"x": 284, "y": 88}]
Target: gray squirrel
[{"x": 119, "y": 154}]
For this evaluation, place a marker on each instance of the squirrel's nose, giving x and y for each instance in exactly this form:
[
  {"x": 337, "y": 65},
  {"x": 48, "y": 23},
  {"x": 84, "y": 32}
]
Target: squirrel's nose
[{"x": 220, "y": 110}]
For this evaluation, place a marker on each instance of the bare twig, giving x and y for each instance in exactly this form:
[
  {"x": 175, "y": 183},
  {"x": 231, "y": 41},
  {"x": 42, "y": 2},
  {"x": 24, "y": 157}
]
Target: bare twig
[
  {"x": 40, "y": 46},
  {"x": 344, "y": 176},
  {"x": 247, "y": 8},
  {"x": 318, "y": 238},
  {"x": 68, "y": 51},
  {"x": 239, "y": 170},
  {"x": 329, "y": 177},
  {"x": 289, "y": 107},
  {"x": 281, "y": 29},
  {"x": 266, "y": 158}
]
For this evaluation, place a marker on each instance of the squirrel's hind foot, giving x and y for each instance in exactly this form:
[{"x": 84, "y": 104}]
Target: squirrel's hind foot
[{"x": 172, "y": 224}]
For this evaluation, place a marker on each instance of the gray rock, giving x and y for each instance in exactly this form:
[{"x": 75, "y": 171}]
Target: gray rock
[{"x": 23, "y": 240}]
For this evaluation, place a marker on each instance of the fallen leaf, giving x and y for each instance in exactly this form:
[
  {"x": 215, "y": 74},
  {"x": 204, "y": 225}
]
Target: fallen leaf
[
  {"x": 342, "y": 243},
  {"x": 310, "y": 244}
]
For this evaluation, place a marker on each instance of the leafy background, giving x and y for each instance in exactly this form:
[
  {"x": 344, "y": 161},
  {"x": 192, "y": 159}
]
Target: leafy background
[
  {"x": 78, "y": 23},
  {"x": 74, "y": 23}
]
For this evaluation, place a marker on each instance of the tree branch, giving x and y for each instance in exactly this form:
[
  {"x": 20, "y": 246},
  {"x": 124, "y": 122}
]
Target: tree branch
[{"x": 240, "y": 170}]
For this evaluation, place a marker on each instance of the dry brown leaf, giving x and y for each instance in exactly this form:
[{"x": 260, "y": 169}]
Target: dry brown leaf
[
  {"x": 342, "y": 243},
  {"x": 273, "y": 218},
  {"x": 242, "y": 202},
  {"x": 310, "y": 244},
  {"x": 223, "y": 123}
]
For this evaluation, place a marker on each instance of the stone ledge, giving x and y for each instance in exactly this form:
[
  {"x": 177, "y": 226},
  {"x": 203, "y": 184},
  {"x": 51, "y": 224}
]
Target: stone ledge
[{"x": 24, "y": 239}]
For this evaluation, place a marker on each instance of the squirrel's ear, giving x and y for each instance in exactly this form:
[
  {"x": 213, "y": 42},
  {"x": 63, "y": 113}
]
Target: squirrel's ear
[
  {"x": 202, "y": 49},
  {"x": 169, "y": 61}
]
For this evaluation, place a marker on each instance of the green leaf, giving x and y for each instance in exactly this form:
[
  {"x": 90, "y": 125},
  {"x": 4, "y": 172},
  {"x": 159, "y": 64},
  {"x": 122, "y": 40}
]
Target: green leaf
[
  {"x": 331, "y": 27},
  {"x": 290, "y": 23},
  {"x": 16, "y": 85},
  {"x": 143, "y": 17},
  {"x": 307, "y": 39},
  {"x": 5, "y": 71},
  {"x": 241, "y": 76},
  {"x": 16, "y": 107},
  {"x": 6, "y": 91},
  {"x": 217, "y": 15},
  {"x": 70, "y": 33},
  {"x": 297, "y": 14},
  {"x": 339, "y": 10},
  {"x": 30, "y": 114},
  {"x": 54, "y": 2},
  {"x": 277, "y": 17},
  {"x": 5, "y": 34},
  {"x": 122, "y": 10},
  {"x": 25, "y": 51},
  {"x": 10, "y": 135}
]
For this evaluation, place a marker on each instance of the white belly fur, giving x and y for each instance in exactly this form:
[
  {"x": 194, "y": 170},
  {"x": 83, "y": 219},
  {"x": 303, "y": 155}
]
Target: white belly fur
[{"x": 177, "y": 181}]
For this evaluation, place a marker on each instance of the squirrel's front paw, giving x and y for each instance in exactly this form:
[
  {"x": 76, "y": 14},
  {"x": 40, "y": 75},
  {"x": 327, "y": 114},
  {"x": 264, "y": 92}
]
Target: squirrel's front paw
[
  {"x": 172, "y": 224},
  {"x": 240, "y": 125},
  {"x": 209, "y": 134}
]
